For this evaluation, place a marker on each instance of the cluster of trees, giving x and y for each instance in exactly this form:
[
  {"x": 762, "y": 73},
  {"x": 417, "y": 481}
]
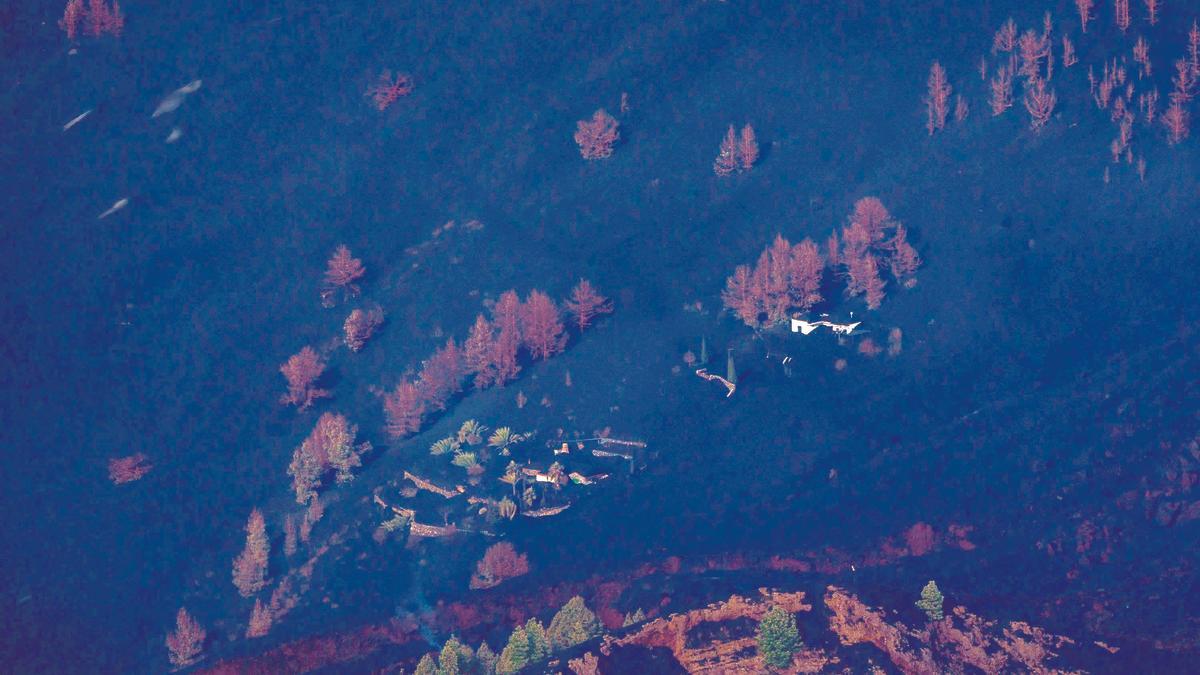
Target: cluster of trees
[
  {"x": 737, "y": 153},
  {"x": 99, "y": 18},
  {"x": 330, "y": 446},
  {"x": 491, "y": 352},
  {"x": 597, "y": 136},
  {"x": 530, "y": 643},
  {"x": 789, "y": 278},
  {"x": 1030, "y": 55}
]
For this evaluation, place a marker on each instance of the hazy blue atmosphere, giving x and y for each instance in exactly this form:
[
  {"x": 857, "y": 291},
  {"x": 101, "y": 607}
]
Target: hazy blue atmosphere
[{"x": 1016, "y": 419}]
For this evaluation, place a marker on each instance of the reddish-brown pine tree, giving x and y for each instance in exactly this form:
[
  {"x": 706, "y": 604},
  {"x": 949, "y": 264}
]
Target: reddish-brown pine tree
[
  {"x": 290, "y": 536},
  {"x": 805, "y": 268},
  {"x": 506, "y": 318},
  {"x": 1194, "y": 49},
  {"x": 596, "y": 136},
  {"x": 872, "y": 283},
  {"x": 1121, "y": 14},
  {"x": 302, "y": 371},
  {"x": 72, "y": 14},
  {"x": 747, "y": 150},
  {"x": 937, "y": 103},
  {"x": 586, "y": 304},
  {"x": 1068, "y": 53},
  {"x": 1085, "y": 12},
  {"x": 873, "y": 215},
  {"x": 403, "y": 409},
  {"x": 904, "y": 260},
  {"x": 833, "y": 250},
  {"x": 1151, "y": 11},
  {"x": 1001, "y": 91},
  {"x": 740, "y": 297},
  {"x": 360, "y": 326},
  {"x": 727, "y": 161},
  {"x": 541, "y": 326},
  {"x": 1185, "y": 82},
  {"x": 128, "y": 469},
  {"x": 309, "y": 462},
  {"x": 250, "y": 567},
  {"x": 1005, "y": 38},
  {"x": 478, "y": 351},
  {"x": 1039, "y": 101},
  {"x": 260, "y": 620},
  {"x": 1175, "y": 119},
  {"x": 441, "y": 376},
  {"x": 1033, "y": 49},
  {"x": 342, "y": 271},
  {"x": 856, "y": 241},
  {"x": 499, "y": 562},
  {"x": 186, "y": 642},
  {"x": 774, "y": 273},
  {"x": 388, "y": 89}
]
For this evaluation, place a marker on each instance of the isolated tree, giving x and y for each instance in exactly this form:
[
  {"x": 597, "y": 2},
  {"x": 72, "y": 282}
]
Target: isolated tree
[
  {"x": 186, "y": 642},
  {"x": 302, "y": 370},
  {"x": 573, "y": 624},
  {"x": 501, "y": 561},
  {"x": 541, "y": 325},
  {"x": 343, "y": 270},
  {"x": 250, "y": 567},
  {"x": 778, "y": 639},
  {"x": 360, "y": 326},
  {"x": 937, "y": 102},
  {"x": 596, "y": 136},
  {"x": 931, "y": 601},
  {"x": 585, "y": 304},
  {"x": 336, "y": 436}
]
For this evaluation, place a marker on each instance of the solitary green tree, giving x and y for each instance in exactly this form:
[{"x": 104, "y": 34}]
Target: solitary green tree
[
  {"x": 573, "y": 624},
  {"x": 778, "y": 638},
  {"x": 730, "y": 369},
  {"x": 931, "y": 601},
  {"x": 515, "y": 655}
]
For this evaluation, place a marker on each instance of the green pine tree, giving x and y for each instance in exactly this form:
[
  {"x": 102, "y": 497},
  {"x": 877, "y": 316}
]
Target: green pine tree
[
  {"x": 778, "y": 638},
  {"x": 454, "y": 658},
  {"x": 931, "y": 601},
  {"x": 515, "y": 655},
  {"x": 573, "y": 624},
  {"x": 486, "y": 659},
  {"x": 539, "y": 646},
  {"x": 427, "y": 666},
  {"x": 703, "y": 350},
  {"x": 730, "y": 369}
]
